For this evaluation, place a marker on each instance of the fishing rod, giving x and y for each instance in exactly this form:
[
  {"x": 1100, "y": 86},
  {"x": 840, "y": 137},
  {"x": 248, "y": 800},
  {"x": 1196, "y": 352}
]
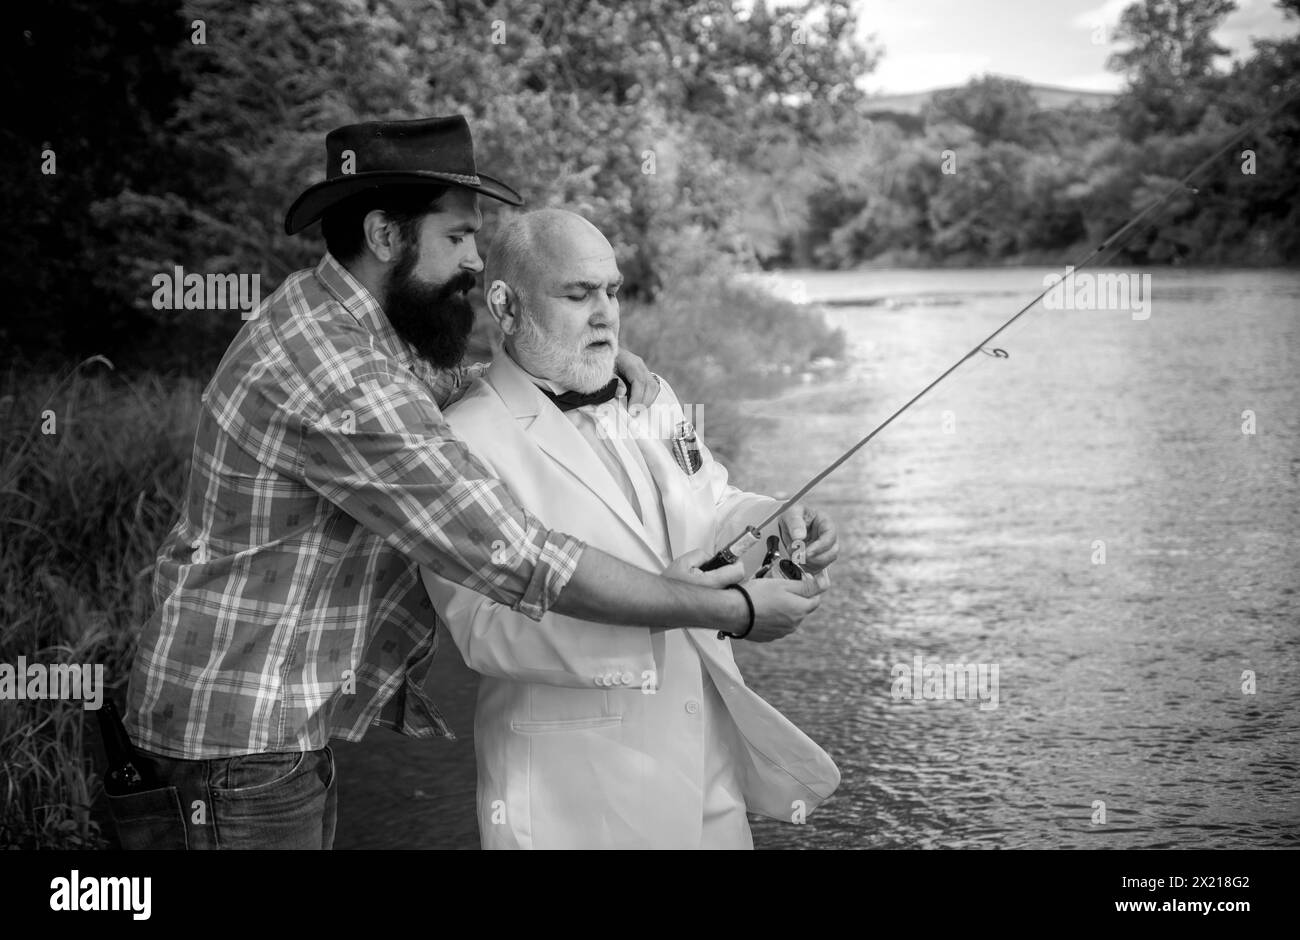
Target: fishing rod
[{"x": 752, "y": 534}]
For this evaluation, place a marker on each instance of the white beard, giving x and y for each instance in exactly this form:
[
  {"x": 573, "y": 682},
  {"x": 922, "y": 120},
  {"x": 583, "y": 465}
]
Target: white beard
[{"x": 578, "y": 369}]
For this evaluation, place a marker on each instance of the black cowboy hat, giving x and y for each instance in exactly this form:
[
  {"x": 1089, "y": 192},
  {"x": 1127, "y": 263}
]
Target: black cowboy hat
[{"x": 437, "y": 151}]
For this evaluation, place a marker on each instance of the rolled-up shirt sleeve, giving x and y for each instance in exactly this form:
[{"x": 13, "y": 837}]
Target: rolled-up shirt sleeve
[{"x": 381, "y": 451}]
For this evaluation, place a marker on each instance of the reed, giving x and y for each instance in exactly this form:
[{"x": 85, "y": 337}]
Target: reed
[{"x": 91, "y": 467}]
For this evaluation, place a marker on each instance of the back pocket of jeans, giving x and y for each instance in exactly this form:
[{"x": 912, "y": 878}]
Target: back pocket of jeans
[{"x": 151, "y": 819}]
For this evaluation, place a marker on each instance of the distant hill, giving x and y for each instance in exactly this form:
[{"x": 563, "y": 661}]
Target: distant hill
[{"x": 1047, "y": 96}]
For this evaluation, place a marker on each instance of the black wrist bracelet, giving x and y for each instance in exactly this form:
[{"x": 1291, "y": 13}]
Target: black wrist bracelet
[{"x": 748, "y": 603}]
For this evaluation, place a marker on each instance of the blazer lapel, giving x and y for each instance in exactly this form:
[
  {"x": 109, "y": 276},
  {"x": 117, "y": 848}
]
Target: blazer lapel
[{"x": 560, "y": 440}]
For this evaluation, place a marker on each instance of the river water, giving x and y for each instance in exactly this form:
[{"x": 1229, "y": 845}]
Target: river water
[{"x": 1110, "y": 516}]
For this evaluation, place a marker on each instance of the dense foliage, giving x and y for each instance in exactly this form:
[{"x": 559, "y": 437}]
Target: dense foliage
[
  {"x": 699, "y": 134},
  {"x": 182, "y": 132}
]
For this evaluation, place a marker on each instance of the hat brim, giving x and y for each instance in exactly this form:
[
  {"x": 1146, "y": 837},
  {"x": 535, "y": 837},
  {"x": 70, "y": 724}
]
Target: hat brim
[{"x": 314, "y": 202}]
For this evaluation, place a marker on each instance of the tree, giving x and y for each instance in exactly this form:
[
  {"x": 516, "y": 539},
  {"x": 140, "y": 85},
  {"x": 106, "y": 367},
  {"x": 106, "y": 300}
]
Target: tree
[
  {"x": 1170, "y": 63},
  {"x": 654, "y": 119},
  {"x": 995, "y": 108}
]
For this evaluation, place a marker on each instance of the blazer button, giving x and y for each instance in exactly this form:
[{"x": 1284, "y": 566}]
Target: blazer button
[
  {"x": 692, "y": 707},
  {"x": 598, "y": 682},
  {"x": 627, "y": 678}
]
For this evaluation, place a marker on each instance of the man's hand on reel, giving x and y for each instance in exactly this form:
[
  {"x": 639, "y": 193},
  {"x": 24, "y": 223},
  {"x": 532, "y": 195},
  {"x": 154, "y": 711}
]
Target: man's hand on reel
[{"x": 779, "y": 605}]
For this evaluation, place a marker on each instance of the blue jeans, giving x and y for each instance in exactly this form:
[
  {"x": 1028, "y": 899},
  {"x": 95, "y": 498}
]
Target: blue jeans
[{"x": 252, "y": 801}]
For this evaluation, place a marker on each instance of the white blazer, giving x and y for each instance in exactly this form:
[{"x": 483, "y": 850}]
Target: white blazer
[{"x": 573, "y": 749}]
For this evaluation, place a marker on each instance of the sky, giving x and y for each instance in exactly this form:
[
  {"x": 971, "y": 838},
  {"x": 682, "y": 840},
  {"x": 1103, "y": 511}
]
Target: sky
[{"x": 937, "y": 43}]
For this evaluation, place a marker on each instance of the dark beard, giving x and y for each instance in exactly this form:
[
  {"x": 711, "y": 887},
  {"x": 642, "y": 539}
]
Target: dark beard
[{"x": 436, "y": 319}]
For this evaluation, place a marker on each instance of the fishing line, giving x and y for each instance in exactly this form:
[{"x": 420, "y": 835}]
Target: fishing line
[{"x": 752, "y": 534}]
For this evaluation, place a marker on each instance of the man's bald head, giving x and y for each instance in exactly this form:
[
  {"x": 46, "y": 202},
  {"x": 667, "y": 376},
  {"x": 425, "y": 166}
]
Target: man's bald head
[{"x": 534, "y": 245}]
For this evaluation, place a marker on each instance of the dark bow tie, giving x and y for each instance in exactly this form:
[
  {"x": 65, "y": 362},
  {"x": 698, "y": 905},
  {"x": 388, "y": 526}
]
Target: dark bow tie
[{"x": 567, "y": 401}]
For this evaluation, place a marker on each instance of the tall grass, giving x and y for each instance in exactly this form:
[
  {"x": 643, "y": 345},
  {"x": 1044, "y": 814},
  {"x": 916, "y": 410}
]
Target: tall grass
[
  {"x": 83, "y": 510},
  {"x": 91, "y": 467}
]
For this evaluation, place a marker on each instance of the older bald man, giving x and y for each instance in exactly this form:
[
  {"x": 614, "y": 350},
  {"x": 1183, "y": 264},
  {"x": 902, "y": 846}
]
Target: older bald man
[{"x": 591, "y": 737}]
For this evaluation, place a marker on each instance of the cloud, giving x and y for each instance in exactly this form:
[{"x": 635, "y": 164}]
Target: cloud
[
  {"x": 1093, "y": 81},
  {"x": 1106, "y": 14},
  {"x": 1253, "y": 19},
  {"x": 921, "y": 71},
  {"x": 889, "y": 19}
]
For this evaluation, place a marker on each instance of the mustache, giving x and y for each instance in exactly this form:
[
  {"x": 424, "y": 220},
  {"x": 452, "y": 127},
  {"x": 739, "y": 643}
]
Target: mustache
[{"x": 462, "y": 283}]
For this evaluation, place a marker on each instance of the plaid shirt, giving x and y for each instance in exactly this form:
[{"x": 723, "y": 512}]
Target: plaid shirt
[{"x": 289, "y": 602}]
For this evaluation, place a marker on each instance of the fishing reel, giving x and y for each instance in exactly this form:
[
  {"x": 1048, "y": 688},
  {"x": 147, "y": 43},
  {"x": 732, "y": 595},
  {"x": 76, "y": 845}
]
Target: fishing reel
[{"x": 774, "y": 566}]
